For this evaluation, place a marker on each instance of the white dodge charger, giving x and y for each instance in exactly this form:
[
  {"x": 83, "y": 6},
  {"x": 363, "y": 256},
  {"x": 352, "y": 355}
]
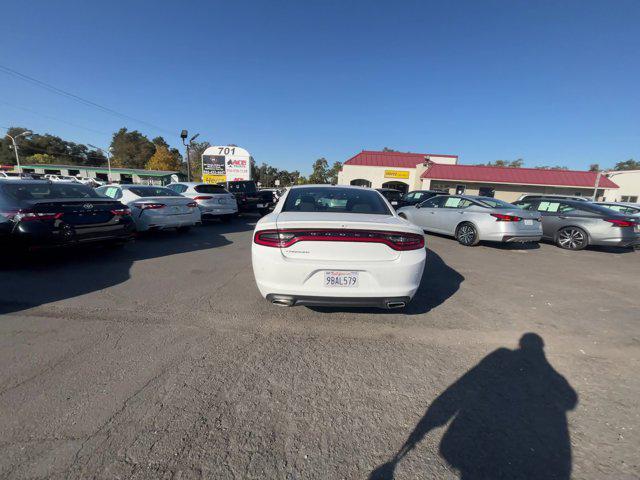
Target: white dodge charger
[{"x": 337, "y": 245}]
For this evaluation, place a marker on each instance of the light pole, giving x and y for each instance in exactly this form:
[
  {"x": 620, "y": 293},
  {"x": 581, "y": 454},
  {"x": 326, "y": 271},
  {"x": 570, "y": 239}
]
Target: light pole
[
  {"x": 108, "y": 152},
  {"x": 183, "y": 135},
  {"x": 15, "y": 147}
]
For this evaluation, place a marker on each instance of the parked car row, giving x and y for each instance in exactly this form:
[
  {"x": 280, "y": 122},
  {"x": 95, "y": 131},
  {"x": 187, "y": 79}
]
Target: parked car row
[
  {"x": 42, "y": 213},
  {"x": 571, "y": 224}
]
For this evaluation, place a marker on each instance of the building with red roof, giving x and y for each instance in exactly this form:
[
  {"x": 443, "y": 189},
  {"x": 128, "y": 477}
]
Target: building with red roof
[{"x": 420, "y": 171}]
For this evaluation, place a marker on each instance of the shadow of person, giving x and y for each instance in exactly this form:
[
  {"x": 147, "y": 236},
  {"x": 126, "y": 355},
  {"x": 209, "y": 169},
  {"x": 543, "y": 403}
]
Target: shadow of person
[{"x": 508, "y": 419}]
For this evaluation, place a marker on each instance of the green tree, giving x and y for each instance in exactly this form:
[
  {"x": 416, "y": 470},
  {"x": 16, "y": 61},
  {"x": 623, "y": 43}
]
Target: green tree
[
  {"x": 630, "y": 164},
  {"x": 506, "y": 163},
  {"x": 41, "y": 158},
  {"x": 333, "y": 173},
  {"x": 131, "y": 149},
  {"x": 320, "y": 171},
  {"x": 594, "y": 167},
  {"x": 163, "y": 159},
  {"x": 546, "y": 167},
  {"x": 196, "y": 149}
]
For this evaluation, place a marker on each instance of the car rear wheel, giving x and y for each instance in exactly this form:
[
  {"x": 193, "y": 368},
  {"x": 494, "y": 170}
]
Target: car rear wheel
[
  {"x": 572, "y": 238},
  {"x": 467, "y": 234}
]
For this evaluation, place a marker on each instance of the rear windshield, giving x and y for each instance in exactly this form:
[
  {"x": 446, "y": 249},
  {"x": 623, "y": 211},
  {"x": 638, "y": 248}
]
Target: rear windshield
[
  {"x": 392, "y": 195},
  {"x": 153, "y": 192},
  {"x": 246, "y": 187},
  {"x": 335, "y": 199},
  {"x": 48, "y": 191},
  {"x": 210, "y": 189},
  {"x": 495, "y": 203}
]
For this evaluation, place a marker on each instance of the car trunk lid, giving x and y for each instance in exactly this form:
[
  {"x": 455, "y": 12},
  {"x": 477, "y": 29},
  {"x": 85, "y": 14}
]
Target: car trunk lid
[
  {"x": 84, "y": 211},
  {"x": 342, "y": 231}
]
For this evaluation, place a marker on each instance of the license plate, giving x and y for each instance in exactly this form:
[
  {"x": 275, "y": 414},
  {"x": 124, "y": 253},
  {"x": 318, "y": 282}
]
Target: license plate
[
  {"x": 340, "y": 279},
  {"x": 528, "y": 222}
]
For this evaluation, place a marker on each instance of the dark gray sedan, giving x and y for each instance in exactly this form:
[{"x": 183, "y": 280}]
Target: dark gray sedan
[{"x": 573, "y": 225}]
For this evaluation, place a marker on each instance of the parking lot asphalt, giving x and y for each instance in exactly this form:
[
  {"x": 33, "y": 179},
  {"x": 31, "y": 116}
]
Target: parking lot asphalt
[{"x": 162, "y": 360}]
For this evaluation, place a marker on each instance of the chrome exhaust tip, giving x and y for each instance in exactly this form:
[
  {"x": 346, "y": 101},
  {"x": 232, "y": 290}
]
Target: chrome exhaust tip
[
  {"x": 396, "y": 304},
  {"x": 282, "y": 301}
]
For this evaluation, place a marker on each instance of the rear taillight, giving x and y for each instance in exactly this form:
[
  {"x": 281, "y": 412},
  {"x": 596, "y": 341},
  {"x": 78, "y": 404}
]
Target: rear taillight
[
  {"x": 401, "y": 241},
  {"x": 121, "y": 212},
  {"x": 203, "y": 197},
  {"x": 621, "y": 223},
  {"x": 149, "y": 206},
  {"x": 29, "y": 215},
  {"x": 506, "y": 218},
  {"x": 192, "y": 204}
]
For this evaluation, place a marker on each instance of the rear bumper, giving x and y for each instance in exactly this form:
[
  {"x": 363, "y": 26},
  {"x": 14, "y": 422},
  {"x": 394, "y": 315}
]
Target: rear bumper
[
  {"x": 303, "y": 279},
  {"x": 39, "y": 236},
  {"x": 310, "y": 301},
  {"x": 622, "y": 241},
  {"x": 159, "y": 222},
  {"x": 521, "y": 238}
]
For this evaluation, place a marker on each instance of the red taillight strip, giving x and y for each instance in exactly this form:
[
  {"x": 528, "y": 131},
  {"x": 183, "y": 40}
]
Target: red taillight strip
[
  {"x": 284, "y": 238},
  {"x": 121, "y": 211},
  {"x": 505, "y": 218},
  {"x": 620, "y": 223},
  {"x": 29, "y": 215}
]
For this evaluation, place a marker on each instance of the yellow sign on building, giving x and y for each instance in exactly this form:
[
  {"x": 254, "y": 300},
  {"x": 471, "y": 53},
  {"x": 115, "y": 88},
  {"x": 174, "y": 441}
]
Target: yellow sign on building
[{"x": 396, "y": 174}]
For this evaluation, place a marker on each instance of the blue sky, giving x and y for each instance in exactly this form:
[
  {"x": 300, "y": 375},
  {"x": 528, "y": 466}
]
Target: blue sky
[{"x": 551, "y": 82}]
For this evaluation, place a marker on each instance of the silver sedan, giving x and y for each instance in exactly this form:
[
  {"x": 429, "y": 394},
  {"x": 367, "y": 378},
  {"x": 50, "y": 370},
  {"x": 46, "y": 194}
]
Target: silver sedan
[{"x": 471, "y": 219}]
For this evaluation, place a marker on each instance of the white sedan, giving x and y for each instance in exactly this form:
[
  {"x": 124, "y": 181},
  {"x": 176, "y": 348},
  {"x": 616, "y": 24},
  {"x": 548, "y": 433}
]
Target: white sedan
[
  {"x": 337, "y": 245},
  {"x": 155, "y": 208}
]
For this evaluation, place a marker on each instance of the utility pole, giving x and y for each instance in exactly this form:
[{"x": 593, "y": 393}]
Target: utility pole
[
  {"x": 15, "y": 147},
  {"x": 595, "y": 189},
  {"x": 108, "y": 152},
  {"x": 183, "y": 135}
]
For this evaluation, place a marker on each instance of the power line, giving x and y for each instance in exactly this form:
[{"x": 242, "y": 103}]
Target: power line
[
  {"x": 77, "y": 98},
  {"x": 44, "y": 115}
]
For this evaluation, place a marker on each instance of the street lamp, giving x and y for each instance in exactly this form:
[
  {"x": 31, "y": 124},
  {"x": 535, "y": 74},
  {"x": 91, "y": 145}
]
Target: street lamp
[
  {"x": 15, "y": 147},
  {"x": 108, "y": 152},
  {"x": 183, "y": 135}
]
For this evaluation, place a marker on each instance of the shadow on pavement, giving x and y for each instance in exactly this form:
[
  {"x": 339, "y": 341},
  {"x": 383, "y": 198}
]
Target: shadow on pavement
[
  {"x": 48, "y": 276},
  {"x": 508, "y": 419},
  {"x": 496, "y": 245},
  {"x": 439, "y": 283}
]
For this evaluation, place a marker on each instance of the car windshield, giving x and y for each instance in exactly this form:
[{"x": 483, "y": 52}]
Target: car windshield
[
  {"x": 210, "y": 189},
  {"x": 495, "y": 203},
  {"x": 335, "y": 199},
  {"x": 49, "y": 191},
  {"x": 153, "y": 192}
]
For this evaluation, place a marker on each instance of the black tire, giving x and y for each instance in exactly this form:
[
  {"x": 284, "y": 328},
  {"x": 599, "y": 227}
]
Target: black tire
[
  {"x": 183, "y": 229},
  {"x": 572, "y": 238},
  {"x": 467, "y": 234}
]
